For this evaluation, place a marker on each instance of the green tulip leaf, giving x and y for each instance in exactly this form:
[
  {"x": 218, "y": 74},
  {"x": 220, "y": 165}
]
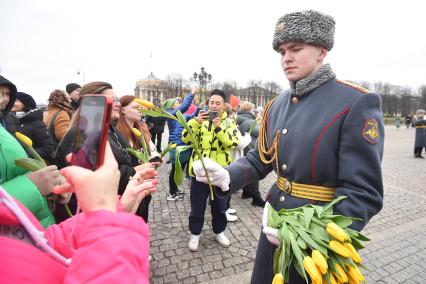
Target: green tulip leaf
[
  {"x": 274, "y": 220},
  {"x": 298, "y": 254},
  {"x": 319, "y": 232},
  {"x": 30, "y": 164},
  {"x": 357, "y": 235},
  {"x": 342, "y": 221},
  {"x": 140, "y": 156},
  {"x": 357, "y": 244},
  {"x": 301, "y": 243},
  {"x": 332, "y": 203},
  {"x": 178, "y": 177},
  {"x": 313, "y": 244},
  {"x": 277, "y": 258},
  {"x": 309, "y": 213}
]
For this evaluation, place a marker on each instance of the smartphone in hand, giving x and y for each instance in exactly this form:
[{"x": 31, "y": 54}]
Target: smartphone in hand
[
  {"x": 204, "y": 115},
  {"x": 213, "y": 114},
  {"x": 91, "y": 131}
]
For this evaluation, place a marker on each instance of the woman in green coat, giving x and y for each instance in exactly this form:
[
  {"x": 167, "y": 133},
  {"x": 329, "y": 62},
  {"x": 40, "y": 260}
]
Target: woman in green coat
[{"x": 30, "y": 188}]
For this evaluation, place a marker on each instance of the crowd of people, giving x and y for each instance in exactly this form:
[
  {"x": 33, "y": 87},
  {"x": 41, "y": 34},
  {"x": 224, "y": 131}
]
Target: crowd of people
[
  {"x": 338, "y": 153},
  {"x": 46, "y": 199}
]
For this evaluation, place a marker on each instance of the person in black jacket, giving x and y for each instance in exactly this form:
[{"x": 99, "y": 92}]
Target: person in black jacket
[
  {"x": 31, "y": 124},
  {"x": 7, "y": 99},
  {"x": 246, "y": 120},
  {"x": 73, "y": 89},
  {"x": 156, "y": 128}
]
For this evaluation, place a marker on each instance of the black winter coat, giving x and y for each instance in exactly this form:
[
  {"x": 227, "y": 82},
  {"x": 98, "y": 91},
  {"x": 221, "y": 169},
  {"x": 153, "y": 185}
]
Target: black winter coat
[
  {"x": 245, "y": 121},
  {"x": 31, "y": 124},
  {"x": 156, "y": 124}
]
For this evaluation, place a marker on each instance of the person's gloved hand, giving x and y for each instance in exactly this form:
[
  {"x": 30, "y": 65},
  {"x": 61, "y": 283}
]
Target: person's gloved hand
[
  {"x": 218, "y": 175},
  {"x": 271, "y": 233}
]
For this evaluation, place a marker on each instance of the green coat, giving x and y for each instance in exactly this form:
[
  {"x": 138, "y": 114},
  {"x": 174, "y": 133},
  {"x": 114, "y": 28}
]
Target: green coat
[
  {"x": 15, "y": 181},
  {"x": 214, "y": 143}
]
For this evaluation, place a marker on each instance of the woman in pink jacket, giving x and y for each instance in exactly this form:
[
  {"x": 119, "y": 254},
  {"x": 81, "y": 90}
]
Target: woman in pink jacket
[{"x": 104, "y": 244}]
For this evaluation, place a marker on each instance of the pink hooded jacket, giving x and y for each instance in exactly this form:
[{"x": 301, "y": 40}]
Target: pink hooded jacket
[{"x": 105, "y": 247}]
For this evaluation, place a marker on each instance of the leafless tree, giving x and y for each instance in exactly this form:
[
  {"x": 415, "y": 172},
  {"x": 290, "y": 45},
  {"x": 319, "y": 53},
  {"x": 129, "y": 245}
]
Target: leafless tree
[{"x": 175, "y": 85}]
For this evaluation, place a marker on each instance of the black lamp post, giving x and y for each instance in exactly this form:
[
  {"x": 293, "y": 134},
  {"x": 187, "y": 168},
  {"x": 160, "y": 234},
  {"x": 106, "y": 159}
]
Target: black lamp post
[
  {"x": 203, "y": 78},
  {"x": 83, "y": 72}
]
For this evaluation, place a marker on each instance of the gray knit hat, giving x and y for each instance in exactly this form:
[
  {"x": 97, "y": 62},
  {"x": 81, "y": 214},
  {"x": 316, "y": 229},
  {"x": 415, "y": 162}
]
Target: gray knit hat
[{"x": 306, "y": 26}]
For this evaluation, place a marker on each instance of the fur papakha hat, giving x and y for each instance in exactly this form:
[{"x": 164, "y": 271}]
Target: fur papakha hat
[{"x": 307, "y": 26}]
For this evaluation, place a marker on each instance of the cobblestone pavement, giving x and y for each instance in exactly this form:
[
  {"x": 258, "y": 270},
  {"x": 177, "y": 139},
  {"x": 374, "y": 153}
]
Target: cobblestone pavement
[{"x": 396, "y": 254}]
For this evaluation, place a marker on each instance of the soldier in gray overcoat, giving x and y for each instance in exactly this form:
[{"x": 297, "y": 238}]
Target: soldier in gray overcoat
[{"x": 316, "y": 159}]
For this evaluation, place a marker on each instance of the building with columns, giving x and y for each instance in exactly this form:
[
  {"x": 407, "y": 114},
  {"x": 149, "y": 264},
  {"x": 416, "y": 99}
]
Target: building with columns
[
  {"x": 151, "y": 89},
  {"x": 257, "y": 95}
]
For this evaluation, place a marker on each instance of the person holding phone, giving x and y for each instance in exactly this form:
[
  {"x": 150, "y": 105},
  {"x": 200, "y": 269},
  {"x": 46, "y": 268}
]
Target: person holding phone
[
  {"x": 127, "y": 164},
  {"x": 104, "y": 244},
  {"x": 338, "y": 153},
  {"x": 216, "y": 136}
]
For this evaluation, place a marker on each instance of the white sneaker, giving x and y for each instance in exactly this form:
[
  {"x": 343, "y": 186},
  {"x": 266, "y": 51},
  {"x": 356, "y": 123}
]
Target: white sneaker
[
  {"x": 231, "y": 211},
  {"x": 222, "y": 239},
  {"x": 174, "y": 197},
  {"x": 193, "y": 242},
  {"x": 231, "y": 218}
]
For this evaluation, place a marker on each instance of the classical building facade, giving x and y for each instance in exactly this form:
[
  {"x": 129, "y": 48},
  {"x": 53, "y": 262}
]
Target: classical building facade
[
  {"x": 257, "y": 95},
  {"x": 151, "y": 89}
]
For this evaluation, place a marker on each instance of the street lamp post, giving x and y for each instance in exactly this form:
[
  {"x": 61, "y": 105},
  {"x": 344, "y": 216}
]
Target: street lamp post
[
  {"x": 82, "y": 73},
  {"x": 203, "y": 78}
]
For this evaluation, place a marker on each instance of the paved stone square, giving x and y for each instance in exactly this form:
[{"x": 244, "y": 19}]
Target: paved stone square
[{"x": 396, "y": 253}]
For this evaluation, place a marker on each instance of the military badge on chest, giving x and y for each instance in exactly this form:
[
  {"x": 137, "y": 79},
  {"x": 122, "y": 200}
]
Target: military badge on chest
[{"x": 370, "y": 132}]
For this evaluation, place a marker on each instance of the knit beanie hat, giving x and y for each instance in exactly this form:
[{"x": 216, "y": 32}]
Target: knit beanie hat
[
  {"x": 28, "y": 101},
  {"x": 72, "y": 87},
  {"x": 307, "y": 26},
  {"x": 169, "y": 103},
  {"x": 234, "y": 101}
]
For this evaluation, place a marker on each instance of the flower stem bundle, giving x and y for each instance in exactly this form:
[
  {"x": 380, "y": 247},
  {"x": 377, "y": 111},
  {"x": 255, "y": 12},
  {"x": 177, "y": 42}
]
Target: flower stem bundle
[{"x": 317, "y": 244}]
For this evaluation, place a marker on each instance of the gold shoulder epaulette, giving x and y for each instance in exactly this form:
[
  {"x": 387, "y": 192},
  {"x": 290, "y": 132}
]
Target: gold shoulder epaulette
[{"x": 355, "y": 86}]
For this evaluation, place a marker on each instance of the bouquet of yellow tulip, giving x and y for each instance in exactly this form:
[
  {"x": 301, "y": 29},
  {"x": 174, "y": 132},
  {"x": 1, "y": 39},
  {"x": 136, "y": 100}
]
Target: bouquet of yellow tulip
[
  {"x": 316, "y": 242},
  {"x": 155, "y": 111}
]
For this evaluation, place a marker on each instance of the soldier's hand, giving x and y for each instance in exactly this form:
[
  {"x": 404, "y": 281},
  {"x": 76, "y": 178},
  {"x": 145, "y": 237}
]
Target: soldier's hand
[
  {"x": 217, "y": 174},
  {"x": 271, "y": 233}
]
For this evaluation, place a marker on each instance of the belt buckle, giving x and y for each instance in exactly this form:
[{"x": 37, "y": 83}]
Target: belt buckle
[{"x": 287, "y": 187}]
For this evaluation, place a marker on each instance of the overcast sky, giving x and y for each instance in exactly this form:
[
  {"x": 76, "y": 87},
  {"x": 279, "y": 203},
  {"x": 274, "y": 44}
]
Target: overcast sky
[{"x": 43, "y": 43}]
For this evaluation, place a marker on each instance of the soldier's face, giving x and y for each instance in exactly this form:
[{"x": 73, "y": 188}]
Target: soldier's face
[{"x": 299, "y": 60}]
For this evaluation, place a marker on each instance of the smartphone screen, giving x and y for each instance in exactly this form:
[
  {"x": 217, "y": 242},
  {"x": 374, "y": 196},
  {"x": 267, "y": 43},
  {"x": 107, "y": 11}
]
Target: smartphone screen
[{"x": 91, "y": 132}]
